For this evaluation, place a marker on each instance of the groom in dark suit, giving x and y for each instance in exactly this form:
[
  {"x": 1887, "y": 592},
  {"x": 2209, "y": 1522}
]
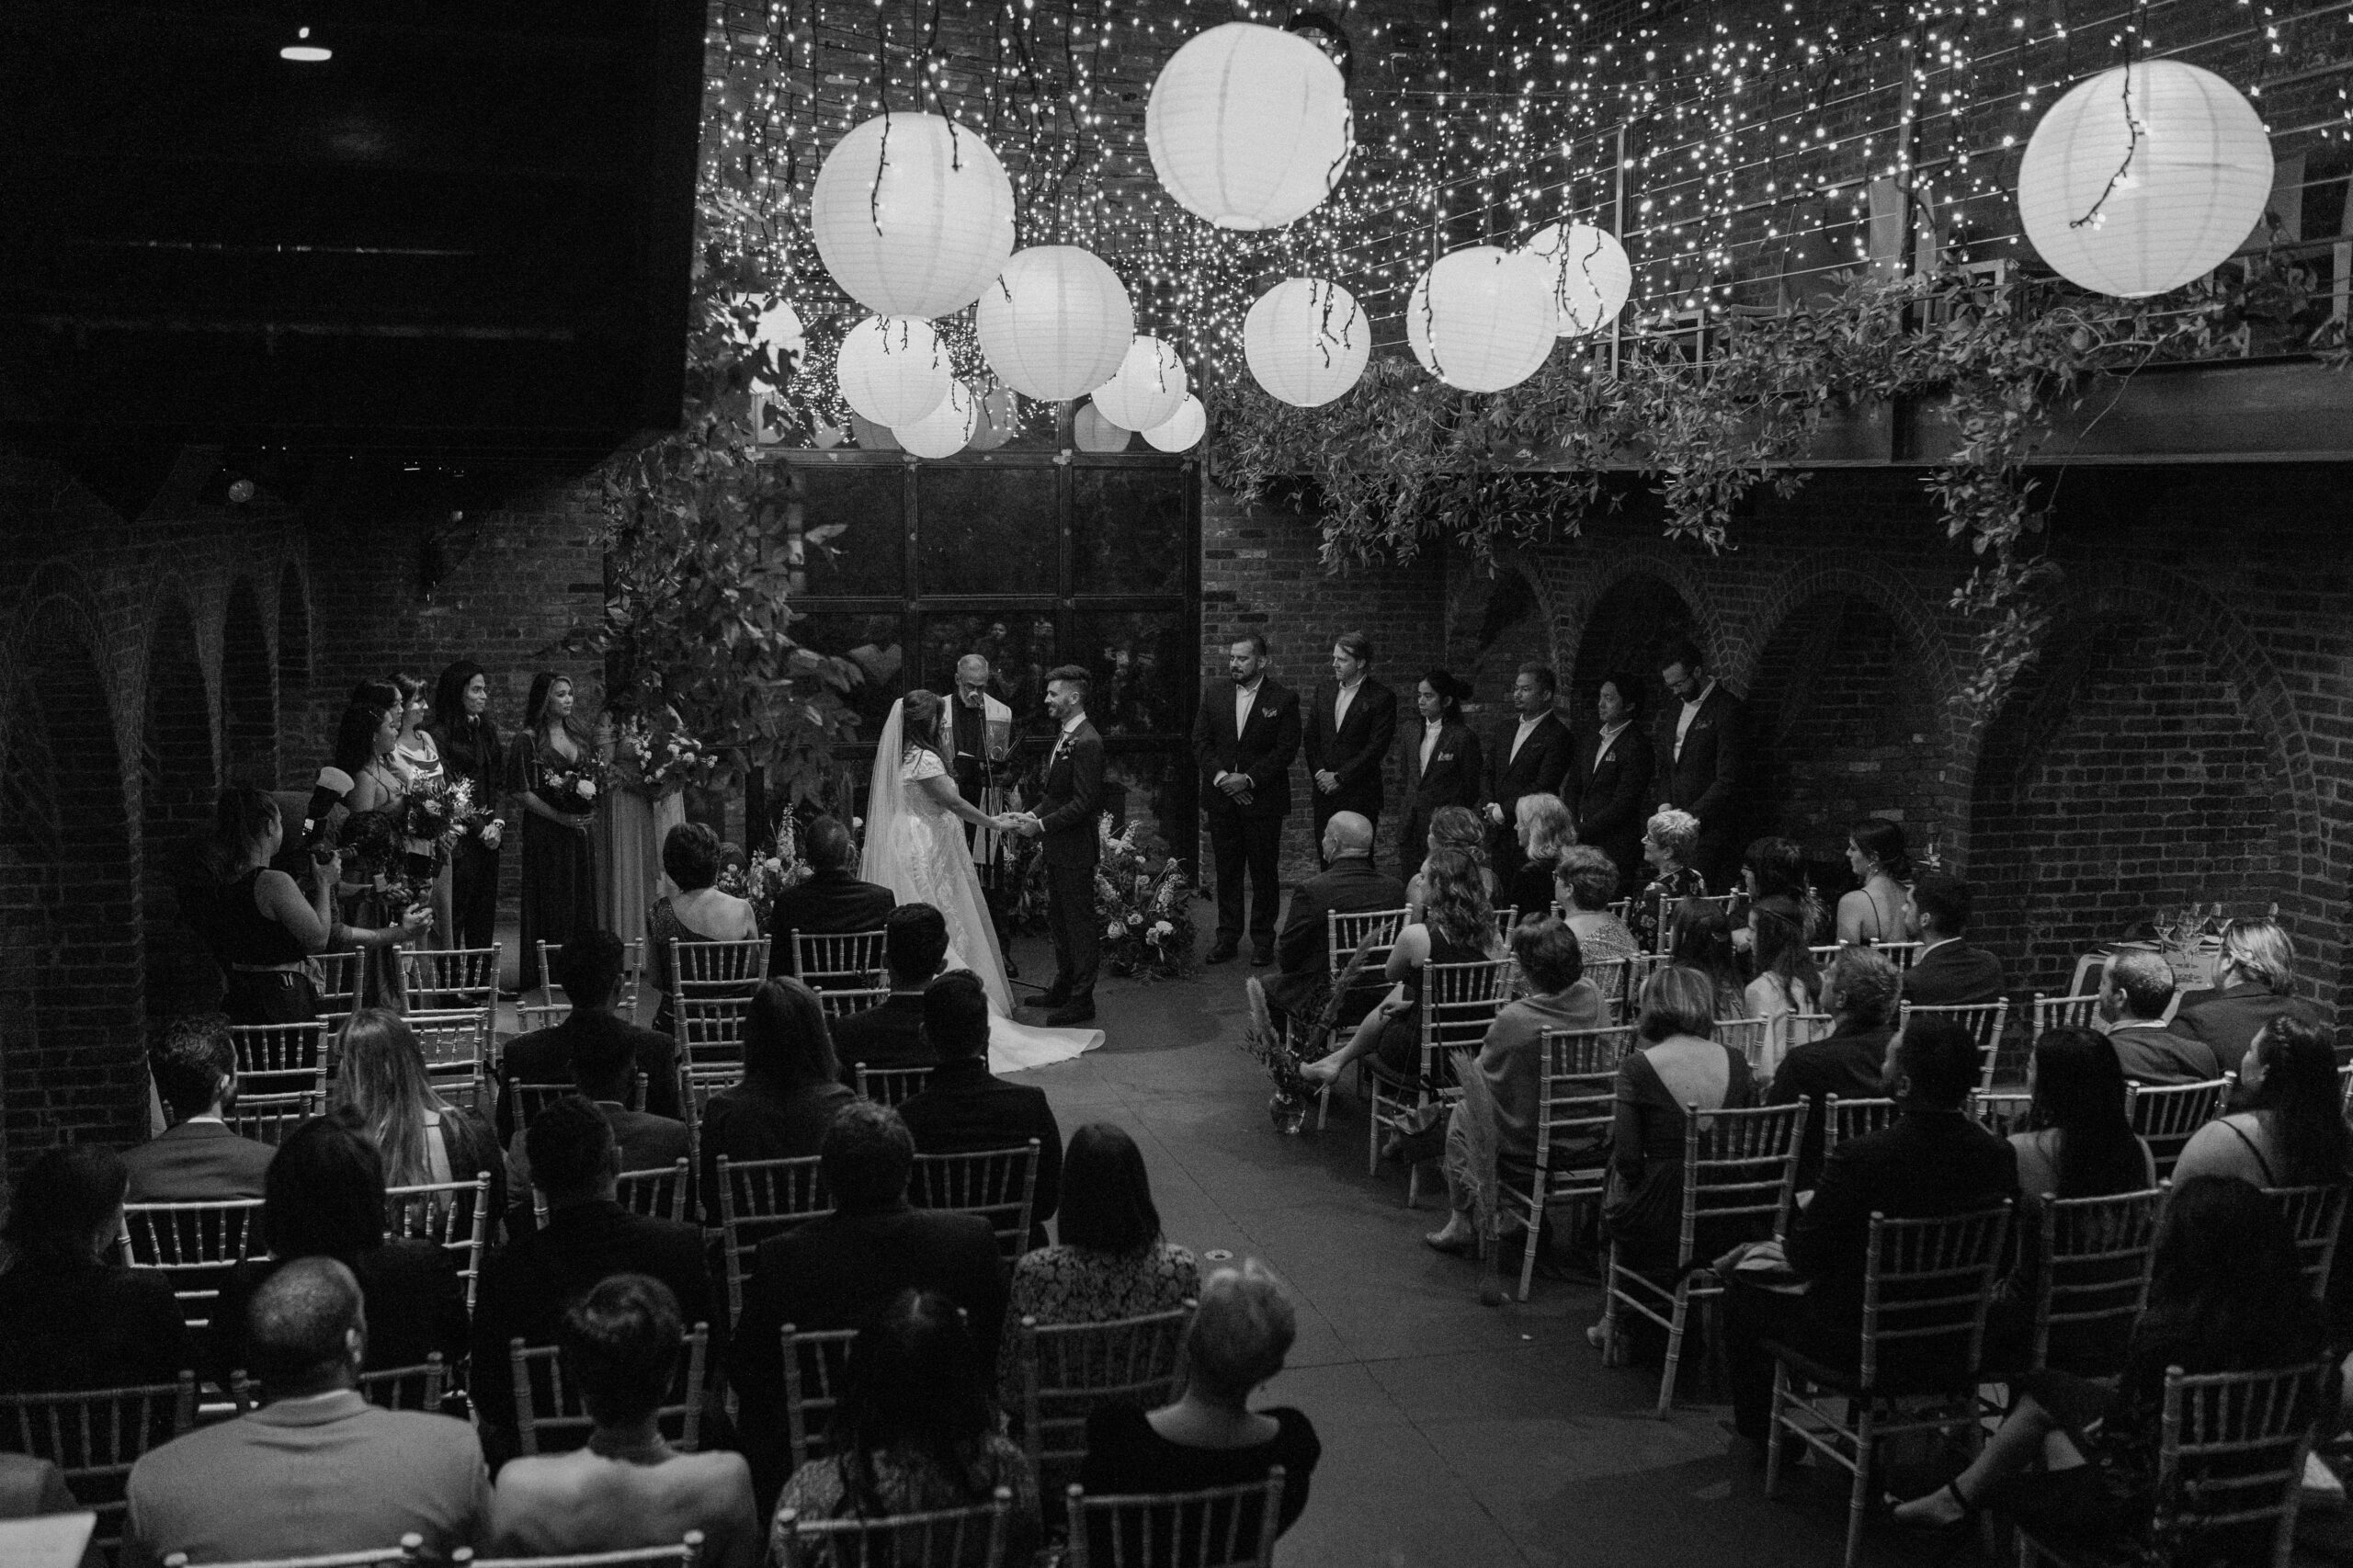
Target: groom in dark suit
[{"x": 1066, "y": 819}]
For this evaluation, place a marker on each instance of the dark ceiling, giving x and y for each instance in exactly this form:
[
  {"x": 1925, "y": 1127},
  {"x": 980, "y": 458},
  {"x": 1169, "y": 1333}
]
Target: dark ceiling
[{"x": 468, "y": 233}]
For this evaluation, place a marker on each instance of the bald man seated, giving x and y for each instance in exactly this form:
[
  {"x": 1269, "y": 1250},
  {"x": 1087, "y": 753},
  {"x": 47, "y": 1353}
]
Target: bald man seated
[
  {"x": 2133, "y": 996},
  {"x": 1350, "y": 885},
  {"x": 316, "y": 1470}
]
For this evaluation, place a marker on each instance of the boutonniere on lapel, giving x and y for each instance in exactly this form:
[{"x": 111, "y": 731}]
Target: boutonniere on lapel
[
  {"x": 1267, "y": 713},
  {"x": 1442, "y": 756}
]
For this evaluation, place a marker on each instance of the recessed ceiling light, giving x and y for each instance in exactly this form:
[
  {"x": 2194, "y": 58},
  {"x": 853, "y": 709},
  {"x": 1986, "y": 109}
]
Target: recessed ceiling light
[{"x": 304, "y": 51}]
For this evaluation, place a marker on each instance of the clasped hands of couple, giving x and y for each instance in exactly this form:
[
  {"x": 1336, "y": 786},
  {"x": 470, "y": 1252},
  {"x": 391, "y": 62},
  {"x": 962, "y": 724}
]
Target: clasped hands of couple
[{"x": 1026, "y": 824}]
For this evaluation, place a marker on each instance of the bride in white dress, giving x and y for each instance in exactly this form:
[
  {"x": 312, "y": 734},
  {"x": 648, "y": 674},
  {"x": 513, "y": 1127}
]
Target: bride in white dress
[{"x": 915, "y": 847}]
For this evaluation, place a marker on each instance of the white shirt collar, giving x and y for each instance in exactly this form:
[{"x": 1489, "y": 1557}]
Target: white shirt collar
[
  {"x": 1071, "y": 724},
  {"x": 1434, "y": 724},
  {"x": 1249, "y": 690},
  {"x": 1611, "y": 732},
  {"x": 1352, "y": 685},
  {"x": 1531, "y": 720}
]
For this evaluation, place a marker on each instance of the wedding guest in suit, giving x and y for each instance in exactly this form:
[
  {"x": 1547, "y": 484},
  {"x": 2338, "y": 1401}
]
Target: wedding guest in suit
[
  {"x": 1071, "y": 793},
  {"x": 1702, "y": 773},
  {"x": 832, "y": 900},
  {"x": 1350, "y": 883},
  {"x": 1442, "y": 767},
  {"x": 1860, "y": 993},
  {"x": 589, "y": 969},
  {"x": 890, "y": 1033},
  {"x": 2255, "y": 982},
  {"x": 1531, "y": 759},
  {"x": 2134, "y": 992},
  {"x": 70, "y": 1319},
  {"x": 1608, "y": 786},
  {"x": 605, "y": 1075},
  {"x": 1245, "y": 743},
  {"x": 1350, "y": 725},
  {"x": 473, "y": 753},
  {"x": 198, "y": 1159},
  {"x": 1949, "y": 971},
  {"x": 964, "y": 1109}
]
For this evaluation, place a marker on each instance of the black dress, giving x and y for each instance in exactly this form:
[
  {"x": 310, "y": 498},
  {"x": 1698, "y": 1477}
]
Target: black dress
[
  {"x": 262, "y": 962},
  {"x": 1125, "y": 1456},
  {"x": 1399, "y": 1053},
  {"x": 471, "y": 751},
  {"x": 559, "y": 868}
]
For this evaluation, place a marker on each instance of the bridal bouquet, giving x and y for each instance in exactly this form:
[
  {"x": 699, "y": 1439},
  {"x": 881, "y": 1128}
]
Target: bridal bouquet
[
  {"x": 437, "y": 812},
  {"x": 576, "y": 788},
  {"x": 1145, "y": 903}
]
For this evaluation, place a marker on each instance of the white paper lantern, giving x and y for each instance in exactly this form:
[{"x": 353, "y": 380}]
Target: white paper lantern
[
  {"x": 1306, "y": 341},
  {"x": 1589, "y": 272},
  {"x": 994, "y": 421},
  {"x": 893, "y": 369},
  {"x": 1094, "y": 433},
  {"x": 914, "y": 222},
  {"x": 1482, "y": 319},
  {"x": 1182, "y": 428},
  {"x": 2198, "y": 177},
  {"x": 945, "y": 430},
  {"x": 872, "y": 436},
  {"x": 1248, "y": 126},
  {"x": 1149, "y": 388},
  {"x": 1056, "y": 323}
]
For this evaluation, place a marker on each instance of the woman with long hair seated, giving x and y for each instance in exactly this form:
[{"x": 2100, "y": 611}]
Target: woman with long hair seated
[
  {"x": 1456, "y": 828},
  {"x": 1457, "y": 925},
  {"x": 2290, "y": 1130},
  {"x": 1880, "y": 909},
  {"x": 915, "y": 1432},
  {"x": 1787, "y": 978},
  {"x": 1701, "y": 941},
  {"x": 790, "y": 1089},
  {"x": 422, "y": 1137}
]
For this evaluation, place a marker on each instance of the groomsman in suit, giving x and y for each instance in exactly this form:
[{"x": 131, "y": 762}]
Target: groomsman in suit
[
  {"x": 1701, "y": 774},
  {"x": 1351, "y": 724},
  {"x": 1245, "y": 743},
  {"x": 1441, "y": 765},
  {"x": 977, "y": 722},
  {"x": 1528, "y": 759},
  {"x": 1071, "y": 798},
  {"x": 1608, "y": 785}
]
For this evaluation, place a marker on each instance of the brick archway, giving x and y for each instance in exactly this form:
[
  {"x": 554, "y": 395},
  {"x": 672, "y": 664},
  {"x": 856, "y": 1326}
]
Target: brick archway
[
  {"x": 1620, "y": 624},
  {"x": 248, "y": 692},
  {"x": 178, "y": 784},
  {"x": 1577, "y": 596}
]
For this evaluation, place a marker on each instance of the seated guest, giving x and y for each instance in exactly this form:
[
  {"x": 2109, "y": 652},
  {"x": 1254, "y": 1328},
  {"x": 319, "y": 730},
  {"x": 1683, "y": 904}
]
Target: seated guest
[
  {"x": 1948, "y": 972},
  {"x": 1456, "y": 828},
  {"x": 1880, "y": 909},
  {"x": 589, "y": 969},
  {"x": 841, "y": 1271},
  {"x": 1544, "y": 830},
  {"x": 1456, "y": 925},
  {"x": 1774, "y": 868},
  {"x": 423, "y": 1137},
  {"x": 1585, "y": 881},
  {"x": 1668, "y": 844},
  {"x": 2079, "y": 1142},
  {"x": 1860, "y": 994},
  {"x": 1348, "y": 885},
  {"x": 832, "y": 900},
  {"x": 1700, "y": 942},
  {"x": 197, "y": 1159},
  {"x": 2226, "y": 1293},
  {"x": 695, "y": 910},
  {"x": 2292, "y": 1130},
  {"x": 1511, "y": 1060},
  {"x": 964, "y": 1109},
  {"x": 790, "y": 1089},
  {"x": 527, "y": 1286},
  {"x": 32, "y": 1489},
  {"x": 914, "y": 1431},
  {"x": 628, "y": 1488},
  {"x": 1786, "y": 981},
  {"x": 1210, "y": 1437},
  {"x": 2133, "y": 996},
  {"x": 68, "y": 1318},
  {"x": 324, "y": 1198},
  {"x": 2255, "y": 982},
  {"x": 1112, "y": 1261},
  {"x": 890, "y": 1034},
  {"x": 605, "y": 1072},
  {"x": 1934, "y": 1161},
  {"x": 316, "y": 1470}
]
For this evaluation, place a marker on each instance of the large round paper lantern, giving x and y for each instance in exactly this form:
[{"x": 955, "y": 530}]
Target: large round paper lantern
[
  {"x": 994, "y": 421},
  {"x": 1589, "y": 273},
  {"x": 1181, "y": 430},
  {"x": 1482, "y": 319},
  {"x": 1056, "y": 323},
  {"x": 893, "y": 369},
  {"x": 2198, "y": 175},
  {"x": 1149, "y": 388},
  {"x": 944, "y": 431},
  {"x": 1094, "y": 433},
  {"x": 1248, "y": 126},
  {"x": 1306, "y": 341},
  {"x": 912, "y": 214}
]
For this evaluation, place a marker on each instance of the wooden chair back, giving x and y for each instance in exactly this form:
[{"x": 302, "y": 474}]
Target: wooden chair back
[
  {"x": 709, "y": 1029},
  {"x": 2314, "y": 1214},
  {"x": 2096, "y": 1258},
  {"x": 1576, "y": 1106},
  {"x": 1343, "y": 932},
  {"x": 2060, "y": 1011},
  {"x": 1842, "y": 1119},
  {"x": 1216, "y": 1526},
  {"x": 1801, "y": 1028},
  {"x": 999, "y": 1184},
  {"x": 837, "y": 1002},
  {"x": 943, "y": 1538},
  {"x": 2231, "y": 1452},
  {"x": 1983, "y": 1021},
  {"x": 849, "y": 961},
  {"x": 624, "y": 994},
  {"x": 1740, "y": 1173},
  {"x": 1927, "y": 1284},
  {"x": 658, "y": 1194},
  {"x": 2167, "y": 1115},
  {"x": 195, "y": 1246},
  {"x": 759, "y": 1199},
  {"x": 1459, "y": 1001},
  {"x": 410, "y": 1550},
  {"x": 454, "y": 1215},
  {"x": 1754, "y": 1039},
  {"x": 441, "y": 980},
  {"x": 1664, "y": 909},
  {"x": 532, "y": 1016},
  {"x": 1070, "y": 1370},
  {"x": 421, "y": 1387},
  {"x": 280, "y": 1059},
  {"x": 1609, "y": 977},
  {"x": 1903, "y": 955},
  {"x": 530, "y": 1099},
  {"x": 267, "y": 1119},
  {"x": 549, "y": 1417},
  {"x": 2002, "y": 1111},
  {"x": 816, "y": 1368},
  {"x": 892, "y": 1086},
  {"x": 337, "y": 977},
  {"x": 95, "y": 1436},
  {"x": 704, "y": 967},
  {"x": 688, "y": 1553},
  {"x": 455, "y": 1044}
]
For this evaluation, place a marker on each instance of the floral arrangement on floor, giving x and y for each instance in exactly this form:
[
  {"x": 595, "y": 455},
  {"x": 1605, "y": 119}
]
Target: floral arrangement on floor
[
  {"x": 1144, "y": 901},
  {"x": 662, "y": 759},
  {"x": 576, "y": 788},
  {"x": 1271, "y": 1049},
  {"x": 759, "y": 880}
]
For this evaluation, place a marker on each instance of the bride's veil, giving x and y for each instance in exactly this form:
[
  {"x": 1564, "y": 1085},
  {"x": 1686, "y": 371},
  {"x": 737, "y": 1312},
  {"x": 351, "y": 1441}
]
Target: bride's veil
[{"x": 886, "y": 798}]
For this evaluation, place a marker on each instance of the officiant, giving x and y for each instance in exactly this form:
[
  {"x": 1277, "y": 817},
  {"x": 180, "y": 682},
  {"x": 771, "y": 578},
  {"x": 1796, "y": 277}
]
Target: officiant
[{"x": 984, "y": 746}]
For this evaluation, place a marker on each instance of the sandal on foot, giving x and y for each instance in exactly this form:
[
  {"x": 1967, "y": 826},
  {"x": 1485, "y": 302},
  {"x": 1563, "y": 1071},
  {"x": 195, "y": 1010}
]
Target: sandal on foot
[{"x": 1941, "y": 1527}]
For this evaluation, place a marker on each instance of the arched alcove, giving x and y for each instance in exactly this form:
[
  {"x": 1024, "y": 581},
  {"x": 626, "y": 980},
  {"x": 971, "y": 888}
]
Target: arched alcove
[
  {"x": 248, "y": 695},
  {"x": 293, "y": 668},
  {"x": 177, "y": 787},
  {"x": 1630, "y": 624},
  {"x": 1495, "y": 622}
]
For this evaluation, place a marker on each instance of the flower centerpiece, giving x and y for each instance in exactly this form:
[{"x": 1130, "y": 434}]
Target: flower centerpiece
[
  {"x": 1272, "y": 1048},
  {"x": 758, "y": 880},
  {"x": 576, "y": 788},
  {"x": 1144, "y": 901}
]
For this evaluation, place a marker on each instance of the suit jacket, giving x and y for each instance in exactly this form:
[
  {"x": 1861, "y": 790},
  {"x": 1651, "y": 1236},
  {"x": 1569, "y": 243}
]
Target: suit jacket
[
  {"x": 415, "y": 1296},
  {"x": 82, "y": 1325},
  {"x": 646, "y": 1142},
  {"x": 1952, "y": 975},
  {"x": 1262, "y": 749},
  {"x": 195, "y": 1161},
  {"x": 306, "y": 1477},
  {"x": 2155, "y": 1053},
  {"x": 888, "y": 1034},
  {"x": 526, "y": 1284},
  {"x": 1845, "y": 1065},
  {"x": 837, "y": 1272},
  {"x": 965, "y": 1108},
  {"x": 1350, "y": 885},
  {"x": 1704, "y": 777},
  {"x": 1070, "y": 798},
  {"x": 1453, "y": 777},
  {"x": 828, "y": 904},
  {"x": 1355, "y": 750},
  {"x": 544, "y": 1056},
  {"x": 1542, "y": 763},
  {"x": 1608, "y": 793},
  {"x": 2229, "y": 1019}
]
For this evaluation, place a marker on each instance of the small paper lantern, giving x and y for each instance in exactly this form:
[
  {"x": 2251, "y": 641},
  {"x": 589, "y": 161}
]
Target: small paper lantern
[
  {"x": 1094, "y": 433},
  {"x": 944, "y": 431},
  {"x": 893, "y": 369},
  {"x": 1181, "y": 430},
  {"x": 912, "y": 214},
  {"x": 1590, "y": 275},
  {"x": 1482, "y": 319},
  {"x": 996, "y": 419},
  {"x": 1056, "y": 323},
  {"x": 2197, "y": 177},
  {"x": 1148, "y": 389},
  {"x": 1248, "y": 126},
  {"x": 1306, "y": 341},
  {"x": 872, "y": 436}
]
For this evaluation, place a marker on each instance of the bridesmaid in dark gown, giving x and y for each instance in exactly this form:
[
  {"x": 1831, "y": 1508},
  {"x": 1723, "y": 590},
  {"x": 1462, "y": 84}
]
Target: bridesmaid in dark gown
[{"x": 559, "y": 873}]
